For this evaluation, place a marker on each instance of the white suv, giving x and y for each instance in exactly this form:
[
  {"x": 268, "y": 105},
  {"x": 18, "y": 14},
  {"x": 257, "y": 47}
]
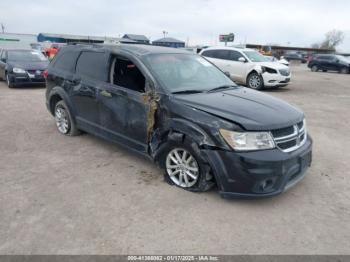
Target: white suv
[{"x": 248, "y": 67}]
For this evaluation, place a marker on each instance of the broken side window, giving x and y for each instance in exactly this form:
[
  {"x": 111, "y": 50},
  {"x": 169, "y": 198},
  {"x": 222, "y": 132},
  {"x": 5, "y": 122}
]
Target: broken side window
[{"x": 126, "y": 74}]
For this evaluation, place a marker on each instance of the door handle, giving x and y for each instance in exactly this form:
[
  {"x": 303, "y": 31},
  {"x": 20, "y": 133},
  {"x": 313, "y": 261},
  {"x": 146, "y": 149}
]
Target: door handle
[{"x": 106, "y": 93}]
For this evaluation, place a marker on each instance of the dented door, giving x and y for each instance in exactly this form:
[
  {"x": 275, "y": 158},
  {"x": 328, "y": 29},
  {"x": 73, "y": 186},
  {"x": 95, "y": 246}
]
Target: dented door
[{"x": 123, "y": 114}]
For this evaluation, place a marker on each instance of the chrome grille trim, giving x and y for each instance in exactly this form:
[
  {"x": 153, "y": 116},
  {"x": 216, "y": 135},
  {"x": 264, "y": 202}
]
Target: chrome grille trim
[{"x": 299, "y": 135}]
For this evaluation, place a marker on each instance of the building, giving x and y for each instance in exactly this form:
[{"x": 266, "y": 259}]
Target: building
[
  {"x": 169, "y": 42},
  {"x": 65, "y": 38},
  {"x": 11, "y": 40},
  {"x": 278, "y": 51},
  {"x": 141, "y": 39}
]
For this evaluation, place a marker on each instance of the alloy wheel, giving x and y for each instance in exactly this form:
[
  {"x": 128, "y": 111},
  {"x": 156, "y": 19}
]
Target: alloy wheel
[
  {"x": 344, "y": 71},
  {"x": 8, "y": 80},
  {"x": 254, "y": 81},
  {"x": 314, "y": 68},
  {"x": 182, "y": 167},
  {"x": 62, "y": 120}
]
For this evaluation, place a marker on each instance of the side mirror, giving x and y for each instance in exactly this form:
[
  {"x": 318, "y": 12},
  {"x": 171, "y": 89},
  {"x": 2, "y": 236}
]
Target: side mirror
[
  {"x": 227, "y": 74},
  {"x": 242, "y": 59}
]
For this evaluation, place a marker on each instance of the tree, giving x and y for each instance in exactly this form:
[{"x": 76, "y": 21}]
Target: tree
[
  {"x": 333, "y": 39},
  {"x": 315, "y": 45}
]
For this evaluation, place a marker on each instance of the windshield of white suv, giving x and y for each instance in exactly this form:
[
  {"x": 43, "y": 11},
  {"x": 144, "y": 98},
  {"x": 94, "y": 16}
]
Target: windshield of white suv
[
  {"x": 255, "y": 56},
  {"x": 26, "y": 56},
  {"x": 343, "y": 58},
  {"x": 187, "y": 72}
]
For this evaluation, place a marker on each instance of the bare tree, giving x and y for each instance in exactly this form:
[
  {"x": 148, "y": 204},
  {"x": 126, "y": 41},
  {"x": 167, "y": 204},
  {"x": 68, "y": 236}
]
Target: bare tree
[
  {"x": 315, "y": 45},
  {"x": 333, "y": 39}
]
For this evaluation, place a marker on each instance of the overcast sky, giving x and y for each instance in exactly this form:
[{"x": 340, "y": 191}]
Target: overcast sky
[{"x": 293, "y": 22}]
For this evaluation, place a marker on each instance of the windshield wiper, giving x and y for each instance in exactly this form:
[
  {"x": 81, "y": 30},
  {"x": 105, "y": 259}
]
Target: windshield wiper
[
  {"x": 189, "y": 91},
  {"x": 220, "y": 88}
]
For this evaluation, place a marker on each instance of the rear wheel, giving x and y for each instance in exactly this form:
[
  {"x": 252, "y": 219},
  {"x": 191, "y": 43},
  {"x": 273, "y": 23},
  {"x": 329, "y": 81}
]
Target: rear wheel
[
  {"x": 314, "y": 68},
  {"x": 255, "y": 81},
  {"x": 63, "y": 119},
  {"x": 344, "y": 70}
]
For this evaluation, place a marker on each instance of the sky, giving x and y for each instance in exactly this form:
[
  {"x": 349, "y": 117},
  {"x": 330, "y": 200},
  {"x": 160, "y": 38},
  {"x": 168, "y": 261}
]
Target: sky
[{"x": 293, "y": 22}]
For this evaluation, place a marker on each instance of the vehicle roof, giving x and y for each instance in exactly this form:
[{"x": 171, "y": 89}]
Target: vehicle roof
[
  {"x": 135, "y": 49},
  {"x": 228, "y": 48}
]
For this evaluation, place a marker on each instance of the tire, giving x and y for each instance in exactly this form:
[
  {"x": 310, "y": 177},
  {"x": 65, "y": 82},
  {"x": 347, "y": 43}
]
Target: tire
[
  {"x": 344, "y": 70},
  {"x": 63, "y": 117},
  {"x": 190, "y": 170},
  {"x": 255, "y": 81},
  {"x": 314, "y": 68},
  {"x": 324, "y": 70},
  {"x": 8, "y": 81}
]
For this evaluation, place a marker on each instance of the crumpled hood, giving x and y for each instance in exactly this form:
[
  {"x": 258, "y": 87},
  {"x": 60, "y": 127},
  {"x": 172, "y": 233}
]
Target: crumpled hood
[
  {"x": 42, "y": 65},
  {"x": 251, "y": 109},
  {"x": 273, "y": 65}
]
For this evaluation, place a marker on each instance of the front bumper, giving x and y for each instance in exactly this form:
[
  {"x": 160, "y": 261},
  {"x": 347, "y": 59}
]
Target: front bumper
[
  {"x": 271, "y": 80},
  {"x": 25, "y": 78},
  {"x": 260, "y": 173}
]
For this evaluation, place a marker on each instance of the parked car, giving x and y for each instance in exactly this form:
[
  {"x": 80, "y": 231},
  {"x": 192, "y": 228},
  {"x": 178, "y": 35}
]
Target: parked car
[
  {"x": 182, "y": 112},
  {"x": 295, "y": 57},
  {"x": 21, "y": 66},
  {"x": 274, "y": 59},
  {"x": 248, "y": 67},
  {"x": 328, "y": 62}
]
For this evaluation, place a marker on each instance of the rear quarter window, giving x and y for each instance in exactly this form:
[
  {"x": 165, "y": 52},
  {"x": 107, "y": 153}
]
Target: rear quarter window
[
  {"x": 93, "y": 65},
  {"x": 66, "y": 60}
]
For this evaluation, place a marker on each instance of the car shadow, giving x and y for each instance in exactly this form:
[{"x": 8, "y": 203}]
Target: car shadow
[{"x": 276, "y": 89}]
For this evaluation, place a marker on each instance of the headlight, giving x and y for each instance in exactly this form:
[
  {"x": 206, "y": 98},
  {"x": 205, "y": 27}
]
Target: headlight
[
  {"x": 268, "y": 70},
  {"x": 245, "y": 141},
  {"x": 18, "y": 70}
]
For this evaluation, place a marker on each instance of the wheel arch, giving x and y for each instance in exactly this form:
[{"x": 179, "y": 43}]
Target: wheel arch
[
  {"x": 177, "y": 130},
  {"x": 56, "y": 94}
]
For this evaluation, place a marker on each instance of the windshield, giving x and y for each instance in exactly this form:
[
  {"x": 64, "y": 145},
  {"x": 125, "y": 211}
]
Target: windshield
[
  {"x": 181, "y": 72},
  {"x": 26, "y": 56},
  {"x": 255, "y": 56},
  {"x": 343, "y": 58}
]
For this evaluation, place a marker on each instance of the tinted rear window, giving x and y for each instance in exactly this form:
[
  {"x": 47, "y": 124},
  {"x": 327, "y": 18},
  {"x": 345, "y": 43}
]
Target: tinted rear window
[
  {"x": 93, "y": 65},
  {"x": 66, "y": 60}
]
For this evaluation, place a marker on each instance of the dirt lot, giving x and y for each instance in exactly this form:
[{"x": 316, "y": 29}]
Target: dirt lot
[{"x": 82, "y": 195}]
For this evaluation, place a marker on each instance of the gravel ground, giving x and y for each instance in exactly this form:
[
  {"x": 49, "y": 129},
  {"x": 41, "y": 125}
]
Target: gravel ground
[{"x": 82, "y": 195}]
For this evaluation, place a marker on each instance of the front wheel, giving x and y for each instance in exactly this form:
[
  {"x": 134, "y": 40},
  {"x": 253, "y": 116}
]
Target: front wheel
[
  {"x": 185, "y": 167},
  {"x": 255, "y": 81},
  {"x": 314, "y": 68},
  {"x": 9, "y": 81},
  {"x": 344, "y": 70}
]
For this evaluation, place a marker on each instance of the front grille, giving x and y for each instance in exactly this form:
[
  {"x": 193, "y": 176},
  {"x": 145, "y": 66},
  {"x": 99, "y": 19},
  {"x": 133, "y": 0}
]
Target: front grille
[
  {"x": 34, "y": 72},
  {"x": 290, "y": 138},
  {"x": 284, "y": 72}
]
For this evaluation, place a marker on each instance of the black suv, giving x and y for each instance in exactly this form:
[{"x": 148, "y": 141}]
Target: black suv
[
  {"x": 182, "y": 112},
  {"x": 325, "y": 63},
  {"x": 295, "y": 57}
]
